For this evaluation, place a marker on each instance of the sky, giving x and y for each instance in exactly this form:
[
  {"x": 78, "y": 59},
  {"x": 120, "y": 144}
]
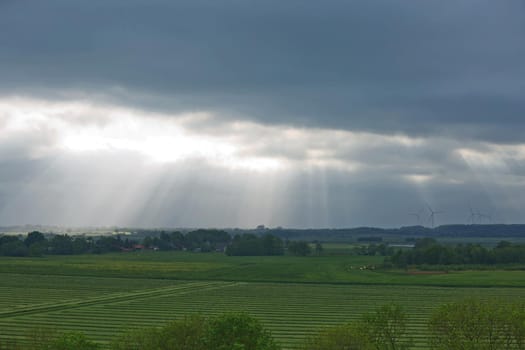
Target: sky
[{"x": 295, "y": 113}]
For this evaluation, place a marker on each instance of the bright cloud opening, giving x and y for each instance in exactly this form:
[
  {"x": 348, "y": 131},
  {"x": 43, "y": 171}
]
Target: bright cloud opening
[{"x": 158, "y": 138}]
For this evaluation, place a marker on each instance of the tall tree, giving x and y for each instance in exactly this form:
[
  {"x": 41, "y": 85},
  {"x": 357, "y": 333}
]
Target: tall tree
[
  {"x": 34, "y": 237},
  {"x": 386, "y": 328}
]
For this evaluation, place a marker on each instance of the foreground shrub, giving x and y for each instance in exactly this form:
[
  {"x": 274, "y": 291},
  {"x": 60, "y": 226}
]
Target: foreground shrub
[
  {"x": 138, "y": 339},
  {"x": 10, "y": 345},
  {"x": 343, "y": 337},
  {"x": 44, "y": 339},
  {"x": 72, "y": 341},
  {"x": 476, "y": 324},
  {"x": 226, "y": 332},
  {"x": 188, "y": 334},
  {"x": 384, "y": 329},
  {"x": 238, "y": 331}
]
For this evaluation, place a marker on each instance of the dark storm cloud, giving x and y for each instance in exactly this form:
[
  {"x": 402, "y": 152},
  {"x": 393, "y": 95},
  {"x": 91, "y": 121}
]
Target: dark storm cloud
[
  {"x": 418, "y": 67},
  {"x": 370, "y": 109}
]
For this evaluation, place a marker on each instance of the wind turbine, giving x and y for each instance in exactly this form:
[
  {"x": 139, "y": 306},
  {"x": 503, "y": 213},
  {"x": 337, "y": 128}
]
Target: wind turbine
[
  {"x": 472, "y": 216},
  {"x": 417, "y": 216},
  {"x": 483, "y": 216},
  {"x": 432, "y": 214}
]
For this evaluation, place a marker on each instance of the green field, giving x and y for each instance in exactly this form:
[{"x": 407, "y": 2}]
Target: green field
[
  {"x": 217, "y": 266},
  {"x": 103, "y": 295}
]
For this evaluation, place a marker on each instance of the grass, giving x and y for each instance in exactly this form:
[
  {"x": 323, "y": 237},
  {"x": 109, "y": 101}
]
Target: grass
[
  {"x": 102, "y": 295},
  {"x": 217, "y": 266}
]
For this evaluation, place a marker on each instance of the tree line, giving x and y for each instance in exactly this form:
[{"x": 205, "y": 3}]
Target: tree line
[
  {"x": 252, "y": 245},
  {"x": 344, "y": 234},
  {"x": 429, "y": 252},
  {"x": 199, "y": 240},
  {"x": 470, "y": 324},
  {"x": 37, "y": 244}
]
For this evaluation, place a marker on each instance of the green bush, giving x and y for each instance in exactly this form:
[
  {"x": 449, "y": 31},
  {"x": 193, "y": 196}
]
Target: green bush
[
  {"x": 44, "y": 339},
  {"x": 238, "y": 331},
  {"x": 188, "y": 334},
  {"x": 343, "y": 337},
  {"x": 233, "y": 331},
  {"x": 384, "y": 329},
  {"x": 72, "y": 341},
  {"x": 476, "y": 324},
  {"x": 138, "y": 339}
]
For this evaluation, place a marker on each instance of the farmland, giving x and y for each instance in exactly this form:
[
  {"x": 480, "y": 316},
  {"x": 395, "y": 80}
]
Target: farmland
[
  {"x": 103, "y": 295},
  {"x": 217, "y": 266}
]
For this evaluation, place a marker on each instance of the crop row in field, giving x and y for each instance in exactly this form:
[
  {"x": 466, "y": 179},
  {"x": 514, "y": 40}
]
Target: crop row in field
[
  {"x": 290, "y": 311},
  {"x": 19, "y": 291}
]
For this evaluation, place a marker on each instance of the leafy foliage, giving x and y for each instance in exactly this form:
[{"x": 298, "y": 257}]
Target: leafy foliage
[
  {"x": 72, "y": 341},
  {"x": 343, "y": 337},
  {"x": 188, "y": 334},
  {"x": 42, "y": 339},
  {"x": 478, "y": 324},
  {"x": 384, "y": 329},
  {"x": 138, "y": 339},
  {"x": 428, "y": 251},
  {"x": 239, "y": 331},
  {"x": 225, "y": 332}
]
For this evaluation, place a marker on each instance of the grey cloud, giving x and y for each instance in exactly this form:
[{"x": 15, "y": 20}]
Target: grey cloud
[
  {"x": 84, "y": 190},
  {"x": 25, "y": 144},
  {"x": 452, "y": 75},
  {"x": 429, "y": 156},
  {"x": 123, "y": 188},
  {"x": 516, "y": 166},
  {"x": 420, "y": 68},
  {"x": 87, "y": 190}
]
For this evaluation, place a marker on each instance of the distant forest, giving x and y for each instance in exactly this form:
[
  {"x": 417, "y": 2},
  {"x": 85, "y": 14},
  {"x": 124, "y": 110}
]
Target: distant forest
[
  {"x": 486, "y": 230},
  {"x": 428, "y": 252},
  {"x": 37, "y": 244},
  {"x": 279, "y": 241},
  {"x": 326, "y": 234}
]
